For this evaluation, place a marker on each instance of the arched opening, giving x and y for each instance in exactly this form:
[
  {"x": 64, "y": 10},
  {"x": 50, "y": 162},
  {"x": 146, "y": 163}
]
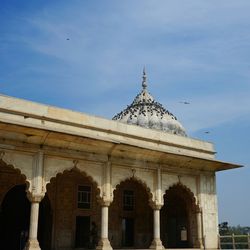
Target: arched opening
[
  {"x": 178, "y": 220},
  {"x": 130, "y": 216},
  {"x": 76, "y": 212},
  {"x": 14, "y": 218},
  {"x": 14, "y": 208}
]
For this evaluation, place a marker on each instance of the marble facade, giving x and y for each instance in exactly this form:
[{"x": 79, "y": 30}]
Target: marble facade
[{"x": 53, "y": 151}]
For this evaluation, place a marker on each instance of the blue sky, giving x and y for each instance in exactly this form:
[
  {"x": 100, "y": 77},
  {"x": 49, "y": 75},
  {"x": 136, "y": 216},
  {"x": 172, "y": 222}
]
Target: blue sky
[{"x": 88, "y": 56}]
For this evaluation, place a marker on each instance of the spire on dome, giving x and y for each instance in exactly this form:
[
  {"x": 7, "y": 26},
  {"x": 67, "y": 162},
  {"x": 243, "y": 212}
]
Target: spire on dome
[
  {"x": 144, "y": 79},
  {"x": 144, "y": 111}
]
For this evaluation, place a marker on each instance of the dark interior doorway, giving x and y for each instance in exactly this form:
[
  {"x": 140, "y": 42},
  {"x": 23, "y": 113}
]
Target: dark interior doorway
[
  {"x": 82, "y": 239},
  {"x": 177, "y": 223},
  {"x": 127, "y": 232},
  {"x": 14, "y": 219},
  {"x": 45, "y": 224},
  {"x": 176, "y": 216},
  {"x": 130, "y": 216}
]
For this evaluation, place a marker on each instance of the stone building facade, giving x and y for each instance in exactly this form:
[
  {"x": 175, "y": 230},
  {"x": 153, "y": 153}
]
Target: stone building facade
[{"x": 74, "y": 181}]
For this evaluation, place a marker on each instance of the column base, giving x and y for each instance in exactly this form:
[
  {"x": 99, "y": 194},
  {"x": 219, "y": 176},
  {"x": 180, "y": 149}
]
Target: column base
[
  {"x": 104, "y": 244},
  {"x": 32, "y": 245},
  {"x": 156, "y": 244},
  {"x": 199, "y": 244}
]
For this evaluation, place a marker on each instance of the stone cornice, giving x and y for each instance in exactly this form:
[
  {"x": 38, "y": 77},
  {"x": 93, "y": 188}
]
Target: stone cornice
[
  {"x": 56, "y": 119},
  {"x": 48, "y": 126}
]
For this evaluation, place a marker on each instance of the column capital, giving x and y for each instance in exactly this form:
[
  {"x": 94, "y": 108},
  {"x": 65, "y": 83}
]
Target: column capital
[
  {"x": 35, "y": 198},
  {"x": 156, "y": 206},
  {"x": 104, "y": 202}
]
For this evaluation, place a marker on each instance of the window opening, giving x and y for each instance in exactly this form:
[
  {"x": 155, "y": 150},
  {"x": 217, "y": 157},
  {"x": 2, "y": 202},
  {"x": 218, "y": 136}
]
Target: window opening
[
  {"x": 128, "y": 200},
  {"x": 84, "y": 197}
]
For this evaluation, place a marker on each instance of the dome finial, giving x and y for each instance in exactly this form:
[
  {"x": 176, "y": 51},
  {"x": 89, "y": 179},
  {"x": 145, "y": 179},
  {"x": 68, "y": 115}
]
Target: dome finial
[{"x": 144, "y": 79}]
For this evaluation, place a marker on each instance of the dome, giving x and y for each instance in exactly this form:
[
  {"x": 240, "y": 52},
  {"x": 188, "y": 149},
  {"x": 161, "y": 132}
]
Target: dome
[{"x": 148, "y": 113}]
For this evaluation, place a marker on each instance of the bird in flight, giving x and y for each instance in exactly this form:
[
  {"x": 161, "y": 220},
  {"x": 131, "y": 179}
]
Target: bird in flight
[
  {"x": 185, "y": 102},
  {"x": 206, "y": 132},
  {"x": 67, "y": 39}
]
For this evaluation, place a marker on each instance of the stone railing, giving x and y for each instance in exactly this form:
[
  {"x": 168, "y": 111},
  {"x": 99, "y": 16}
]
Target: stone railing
[{"x": 234, "y": 241}]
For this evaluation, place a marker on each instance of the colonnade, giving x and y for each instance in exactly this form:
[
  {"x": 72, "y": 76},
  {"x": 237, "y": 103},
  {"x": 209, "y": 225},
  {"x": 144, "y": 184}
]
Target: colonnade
[
  {"x": 37, "y": 193},
  {"x": 104, "y": 243}
]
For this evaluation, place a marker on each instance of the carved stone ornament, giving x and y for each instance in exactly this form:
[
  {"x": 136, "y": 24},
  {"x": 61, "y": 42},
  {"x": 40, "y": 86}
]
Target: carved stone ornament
[{"x": 35, "y": 198}]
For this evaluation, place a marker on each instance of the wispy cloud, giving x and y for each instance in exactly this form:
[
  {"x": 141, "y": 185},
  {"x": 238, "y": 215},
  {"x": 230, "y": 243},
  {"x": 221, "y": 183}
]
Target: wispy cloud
[
  {"x": 185, "y": 44},
  {"x": 88, "y": 56}
]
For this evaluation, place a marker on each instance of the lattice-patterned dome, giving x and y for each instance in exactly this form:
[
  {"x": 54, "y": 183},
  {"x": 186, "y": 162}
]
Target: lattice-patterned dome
[{"x": 146, "y": 112}]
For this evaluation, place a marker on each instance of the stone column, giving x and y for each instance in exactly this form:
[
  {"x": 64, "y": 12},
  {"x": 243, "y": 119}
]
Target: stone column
[
  {"x": 157, "y": 205},
  {"x": 199, "y": 242},
  {"x": 104, "y": 243},
  {"x": 105, "y": 201},
  {"x": 156, "y": 243},
  {"x": 33, "y": 243}
]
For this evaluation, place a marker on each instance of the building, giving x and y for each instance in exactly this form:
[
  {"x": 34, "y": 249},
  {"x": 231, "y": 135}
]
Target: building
[{"x": 74, "y": 181}]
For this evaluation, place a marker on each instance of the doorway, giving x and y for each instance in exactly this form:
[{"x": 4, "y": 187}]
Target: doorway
[
  {"x": 177, "y": 227},
  {"x": 130, "y": 216},
  {"x": 14, "y": 219},
  {"x": 178, "y": 218},
  {"x": 128, "y": 232},
  {"x": 82, "y": 239}
]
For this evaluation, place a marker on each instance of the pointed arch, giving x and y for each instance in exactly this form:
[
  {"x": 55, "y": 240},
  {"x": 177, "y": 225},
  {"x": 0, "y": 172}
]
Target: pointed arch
[
  {"x": 23, "y": 178},
  {"x": 187, "y": 193},
  {"x": 140, "y": 182},
  {"x": 178, "y": 217},
  {"x": 131, "y": 216},
  {"x": 83, "y": 173},
  {"x": 14, "y": 217},
  {"x": 64, "y": 191},
  {"x": 15, "y": 168}
]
